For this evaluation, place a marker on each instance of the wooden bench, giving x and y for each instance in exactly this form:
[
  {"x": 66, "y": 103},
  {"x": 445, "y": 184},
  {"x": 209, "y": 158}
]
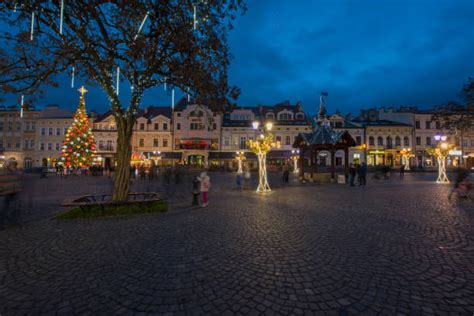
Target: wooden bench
[{"x": 85, "y": 202}]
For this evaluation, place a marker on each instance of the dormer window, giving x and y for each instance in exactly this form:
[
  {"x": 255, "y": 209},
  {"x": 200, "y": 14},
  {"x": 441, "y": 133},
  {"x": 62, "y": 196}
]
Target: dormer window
[
  {"x": 285, "y": 116},
  {"x": 299, "y": 116},
  {"x": 270, "y": 115}
]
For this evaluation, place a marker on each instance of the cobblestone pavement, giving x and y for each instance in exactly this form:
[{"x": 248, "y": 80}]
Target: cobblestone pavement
[{"x": 391, "y": 247}]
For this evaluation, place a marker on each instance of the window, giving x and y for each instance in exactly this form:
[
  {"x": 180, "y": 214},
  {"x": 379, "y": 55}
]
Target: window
[
  {"x": 285, "y": 116},
  {"x": 389, "y": 142},
  {"x": 42, "y": 146},
  {"x": 464, "y": 143},
  {"x": 380, "y": 141},
  {"x": 165, "y": 126},
  {"x": 50, "y": 131},
  {"x": 358, "y": 140},
  {"x": 178, "y": 114},
  {"x": 50, "y": 146},
  {"x": 65, "y": 130},
  {"x": 418, "y": 140},
  {"x": 33, "y": 126},
  {"x": 428, "y": 141},
  {"x": 287, "y": 140},
  {"x": 17, "y": 144},
  {"x": 243, "y": 143},
  {"x": 438, "y": 125},
  {"x": 9, "y": 145},
  {"x": 58, "y": 131},
  {"x": 371, "y": 141},
  {"x": 165, "y": 142},
  {"x": 278, "y": 139},
  {"x": 157, "y": 126},
  {"x": 406, "y": 141},
  {"x": 26, "y": 144},
  {"x": 109, "y": 145},
  {"x": 214, "y": 126},
  {"x": 155, "y": 142},
  {"x": 398, "y": 141},
  {"x": 178, "y": 126},
  {"x": 417, "y": 124},
  {"x": 57, "y": 146},
  {"x": 43, "y": 131},
  {"x": 472, "y": 142},
  {"x": 10, "y": 126},
  {"x": 141, "y": 142},
  {"x": 227, "y": 141},
  {"x": 270, "y": 116},
  {"x": 1, "y": 126},
  {"x": 1, "y": 143},
  {"x": 32, "y": 143},
  {"x": 142, "y": 126},
  {"x": 428, "y": 125},
  {"x": 27, "y": 126},
  {"x": 196, "y": 126},
  {"x": 300, "y": 116},
  {"x": 338, "y": 125},
  {"x": 18, "y": 126},
  {"x": 101, "y": 144}
]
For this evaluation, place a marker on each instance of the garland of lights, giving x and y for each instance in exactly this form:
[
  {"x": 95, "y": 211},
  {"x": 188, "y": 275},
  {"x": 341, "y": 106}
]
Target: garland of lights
[{"x": 441, "y": 152}]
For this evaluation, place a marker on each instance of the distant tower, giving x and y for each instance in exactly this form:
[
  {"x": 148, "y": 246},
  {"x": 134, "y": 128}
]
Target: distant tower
[{"x": 322, "y": 117}]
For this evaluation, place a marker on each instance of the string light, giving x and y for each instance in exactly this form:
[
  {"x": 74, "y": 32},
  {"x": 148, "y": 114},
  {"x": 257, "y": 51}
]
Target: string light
[
  {"x": 141, "y": 25},
  {"x": 32, "y": 25},
  {"x": 61, "y": 18},
  {"x": 172, "y": 99}
]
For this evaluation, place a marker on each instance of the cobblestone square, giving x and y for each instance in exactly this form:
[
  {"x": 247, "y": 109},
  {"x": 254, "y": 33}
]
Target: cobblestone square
[{"x": 393, "y": 247}]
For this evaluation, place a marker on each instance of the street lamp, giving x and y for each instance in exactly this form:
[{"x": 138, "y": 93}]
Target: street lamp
[
  {"x": 295, "y": 155},
  {"x": 261, "y": 146},
  {"x": 240, "y": 157}
]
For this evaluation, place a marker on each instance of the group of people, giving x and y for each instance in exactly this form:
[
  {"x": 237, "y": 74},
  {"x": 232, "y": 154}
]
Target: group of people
[{"x": 359, "y": 171}]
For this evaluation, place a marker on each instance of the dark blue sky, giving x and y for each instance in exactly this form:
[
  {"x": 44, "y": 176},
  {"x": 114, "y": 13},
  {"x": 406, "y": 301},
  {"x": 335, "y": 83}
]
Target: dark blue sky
[{"x": 364, "y": 53}]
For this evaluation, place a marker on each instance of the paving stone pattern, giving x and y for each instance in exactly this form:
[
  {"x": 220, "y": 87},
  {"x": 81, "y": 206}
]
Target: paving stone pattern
[{"x": 389, "y": 248}]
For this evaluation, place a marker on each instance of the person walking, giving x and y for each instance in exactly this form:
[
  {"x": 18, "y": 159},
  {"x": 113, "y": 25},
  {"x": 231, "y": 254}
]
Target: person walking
[
  {"x": 238, "y": 180},
  {"x": 9, "y": 189},
  {"x": 205, "y": 186},
  {"x": 286, "y": 173},
  {"x": 402, "y": 172},
  {"x": 362, "y": 174},
  {"x": 352, "y": 174},
  {"x": 247, "y": 177},
  {"x": 196, "y": 190}
]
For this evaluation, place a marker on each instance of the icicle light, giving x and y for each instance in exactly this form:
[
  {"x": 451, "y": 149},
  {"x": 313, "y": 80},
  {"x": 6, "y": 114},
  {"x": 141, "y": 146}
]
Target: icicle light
[
  {"x": 22, "y": 103},
  {"x": 194, "y": 17},
  {"x": 141, "y": 25},
  {"x": 118, "y": 80},
  {"x": 172, "y": 99},
  {"x": 72, "y": 77},
  {"x": 61, "y": 18},
  {"x": 32, "y": 25}
]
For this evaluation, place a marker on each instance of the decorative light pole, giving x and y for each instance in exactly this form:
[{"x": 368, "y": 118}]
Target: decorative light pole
[
  {"x": 240, "y": 157},
  {"x": 295, "y": 155},
  {"x": 406, "y": 155},
  {"x": 441, "y": 151},
  {"x": 261, "y": 146}
]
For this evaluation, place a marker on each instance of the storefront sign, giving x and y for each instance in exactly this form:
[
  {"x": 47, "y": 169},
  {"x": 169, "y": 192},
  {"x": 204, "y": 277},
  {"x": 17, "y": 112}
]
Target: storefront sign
[{"x": 454, "y": 152}]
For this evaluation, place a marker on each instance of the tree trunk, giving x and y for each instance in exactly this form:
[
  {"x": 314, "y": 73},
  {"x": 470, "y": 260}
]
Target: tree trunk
[{"x": 124, "y": 154}]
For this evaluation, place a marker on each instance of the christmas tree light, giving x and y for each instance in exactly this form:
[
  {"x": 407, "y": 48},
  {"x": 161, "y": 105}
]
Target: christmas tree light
[{"x": 79, "y": 147}]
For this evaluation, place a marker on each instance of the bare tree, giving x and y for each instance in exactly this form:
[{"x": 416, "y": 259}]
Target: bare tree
[
  {"x": 456, "y": 117},
  {"x": 182, "y": 43}
]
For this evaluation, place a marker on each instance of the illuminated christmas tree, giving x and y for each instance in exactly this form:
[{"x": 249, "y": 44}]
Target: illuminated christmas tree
[{"x": 79, "y": 146}]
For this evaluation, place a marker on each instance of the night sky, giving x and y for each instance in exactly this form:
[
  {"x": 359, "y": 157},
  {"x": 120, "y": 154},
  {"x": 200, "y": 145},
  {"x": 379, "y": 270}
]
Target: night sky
[{"x": 364, "y": 53}]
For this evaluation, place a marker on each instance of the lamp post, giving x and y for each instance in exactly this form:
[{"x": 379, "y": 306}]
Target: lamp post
[
  {"x": 261, "y": 146},
  {"x": 240, "y": 157},
  {"x": 441, "y": 152},
  {"x": 295, "y": 155}
]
